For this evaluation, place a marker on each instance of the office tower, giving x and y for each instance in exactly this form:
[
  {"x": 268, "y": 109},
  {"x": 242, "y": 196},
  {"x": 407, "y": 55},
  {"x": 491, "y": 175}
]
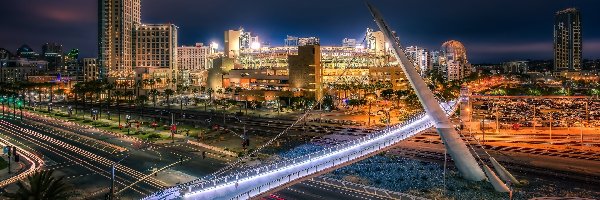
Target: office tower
[
  {"x": 305, "y": 70},
  {"x": 567, "y": 40},
  {"x": 90, "y": 69},
  {"x": 232, "y": 43},
  {"x": 248, "y": 41},
  {"x": 53, "y": 52},
  {"x": 116, "y": 22},
  {"x": 193, "y": 58},
  {"x": 376, "y": 42},
  {"x": 155, "y": 45},
  {"x": 420, "y": 57}
]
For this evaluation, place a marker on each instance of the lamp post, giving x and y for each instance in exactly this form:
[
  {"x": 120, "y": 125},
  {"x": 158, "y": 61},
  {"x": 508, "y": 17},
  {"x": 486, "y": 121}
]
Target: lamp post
[
  {"x": 370, "y": 98},
  {"x": 112, "y": 177}
]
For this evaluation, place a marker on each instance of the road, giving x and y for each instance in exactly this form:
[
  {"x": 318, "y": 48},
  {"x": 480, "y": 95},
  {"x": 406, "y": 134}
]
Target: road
[
  {"x": 312, "y": 189},
  {"x": 84, "y": 156}
]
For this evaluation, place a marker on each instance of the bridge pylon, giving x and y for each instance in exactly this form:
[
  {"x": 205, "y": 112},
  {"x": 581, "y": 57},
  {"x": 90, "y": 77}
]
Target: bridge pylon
[{"x": 456, "y": 147}]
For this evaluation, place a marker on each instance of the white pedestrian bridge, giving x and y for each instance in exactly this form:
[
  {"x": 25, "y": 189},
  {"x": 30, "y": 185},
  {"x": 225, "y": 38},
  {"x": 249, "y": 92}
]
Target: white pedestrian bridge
[{"x": 265, "y": 179}]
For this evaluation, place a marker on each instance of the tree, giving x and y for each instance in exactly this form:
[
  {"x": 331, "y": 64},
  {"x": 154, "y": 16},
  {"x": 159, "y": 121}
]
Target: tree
[
  {"x": 142, "y": 102},
  {"x": 129, "y": 94},
  {"x": 118, "y": 94},
  {"x": 154, "y": 94},
  {"x": 387, "y": 94},
  {"x": 168, "y": 93},
  {"x": 400, "y": 94},
  {"x": 210, "y": 92},
  {"x": 41, "y": 185},
  {"x": 109, "y": 87}
]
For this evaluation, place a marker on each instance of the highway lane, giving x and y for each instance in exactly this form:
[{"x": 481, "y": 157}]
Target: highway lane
[
  {"x": 84, "y": 156},
  {"x": 92, "y": 170}
]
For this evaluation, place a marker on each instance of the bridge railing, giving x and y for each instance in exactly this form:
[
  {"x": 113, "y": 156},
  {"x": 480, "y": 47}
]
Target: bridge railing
[
  {"x": 332, "y": 163},
  {"x": 304, "y": 158},
  {"x": 214, "y": 182}
]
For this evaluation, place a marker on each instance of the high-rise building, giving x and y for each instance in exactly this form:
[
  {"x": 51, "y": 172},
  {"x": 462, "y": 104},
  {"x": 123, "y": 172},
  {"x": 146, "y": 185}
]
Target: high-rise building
[
  {"x": 193, "y": 61},
  {"x": 453, "y": 61},
  {"x": 567, "y": 40},
  {"x": 194, "y": 58},
  {"x": 232, "y": 43},
  {"x": 90, "y": 69},
  {"x": 116, "y": 22},
  {"x": 305, "y": 70},
  {"x": 420, "y": 57},
  {"x": 247, "y": 40},
  {"x": 376, "y": 42},
  {"x": 155, "y": 45},
  {"x": 53, "y": 52}
]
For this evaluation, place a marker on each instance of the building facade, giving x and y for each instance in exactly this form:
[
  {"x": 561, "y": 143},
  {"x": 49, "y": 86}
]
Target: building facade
[
  {"x": 18, "y": 70},
  {"x": 420, "y": 57},
  {"x": 567, "y": 40},
  {"x": 453, "y": 61},
  {"x": 516, "y": 67},
  {"x": 117, "y": 20},
  {"x": 305, "y": 70},
  {"x": 376, "y": 42},
  {"x": 53, "y": 53},
  {"x": 194, "y": 58},
  {"x": 232, "y": 43},
  {"x": 155, "y": 45},
  {"x": 90, "y": 69}
]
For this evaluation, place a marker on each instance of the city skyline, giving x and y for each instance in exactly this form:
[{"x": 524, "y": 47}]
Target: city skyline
[{"x": 490, "y": 37}]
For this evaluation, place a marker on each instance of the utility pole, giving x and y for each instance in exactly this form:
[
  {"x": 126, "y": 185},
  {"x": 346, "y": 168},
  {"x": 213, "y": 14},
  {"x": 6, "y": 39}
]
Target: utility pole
[
  {"x": 551, "y": 118},
  {"x": 173, "y": 129},
  {"x": 112, "y": 177},
  {"x": 497, "y": 121},
  {"x": 533, "y": 124}
]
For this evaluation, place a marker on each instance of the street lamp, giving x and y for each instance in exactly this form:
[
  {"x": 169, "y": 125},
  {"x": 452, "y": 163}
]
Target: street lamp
[
  {"x": 112, "y": 177},
  {"x": 370, "y": 99}
]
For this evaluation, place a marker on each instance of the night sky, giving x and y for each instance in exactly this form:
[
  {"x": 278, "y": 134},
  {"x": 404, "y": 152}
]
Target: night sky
[{"x": 492, "y": 30}]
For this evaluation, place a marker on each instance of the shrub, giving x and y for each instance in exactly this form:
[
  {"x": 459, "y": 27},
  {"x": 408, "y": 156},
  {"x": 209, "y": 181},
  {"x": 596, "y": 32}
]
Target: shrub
[{"x": 153, "y": 136}]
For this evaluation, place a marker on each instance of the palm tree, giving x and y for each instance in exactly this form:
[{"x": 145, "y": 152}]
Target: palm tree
[
  {"x": 210, "y": 92},
  {"x": 41, "y": 185},
  {"x": 400, "y": 94},
  {"x": 154, "y": 93},
  {"x": 129, "y": 94},
  {"x": 219, "y": 91},
  {"x": 142, "y": 102},
  {"x": 118, "y": 94},
  {"x": 168, "y": 93},
  {"x": 109, "y": 87}
]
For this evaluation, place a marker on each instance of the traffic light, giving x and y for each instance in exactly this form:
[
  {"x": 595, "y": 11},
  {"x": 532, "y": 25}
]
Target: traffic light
[
  {"x": 16, "y": 158},
  {"x": 14, "y": 151}
]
